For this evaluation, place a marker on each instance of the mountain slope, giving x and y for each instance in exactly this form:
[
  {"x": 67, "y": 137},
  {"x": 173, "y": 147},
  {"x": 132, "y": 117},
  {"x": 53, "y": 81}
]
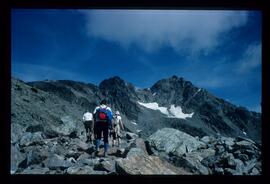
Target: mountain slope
[{"x": 172, "y": 102}]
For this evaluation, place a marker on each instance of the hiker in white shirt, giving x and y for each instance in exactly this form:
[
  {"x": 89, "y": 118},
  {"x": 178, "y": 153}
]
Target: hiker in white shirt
[{"x": 89, "y": 126}]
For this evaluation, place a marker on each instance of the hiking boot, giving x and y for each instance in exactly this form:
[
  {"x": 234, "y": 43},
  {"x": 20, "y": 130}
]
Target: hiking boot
[{"x": 105, "y": 154}]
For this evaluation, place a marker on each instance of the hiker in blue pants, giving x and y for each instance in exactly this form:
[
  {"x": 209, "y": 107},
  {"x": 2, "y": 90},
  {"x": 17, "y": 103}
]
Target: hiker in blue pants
[{"x": 103, "y": 120}]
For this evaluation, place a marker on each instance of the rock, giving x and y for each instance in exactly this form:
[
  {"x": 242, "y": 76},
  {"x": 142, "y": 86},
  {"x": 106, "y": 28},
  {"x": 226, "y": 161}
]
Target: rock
[
  {"x": 142, "y": 165},
  {"x": 68, "y": 126},
  {"x": 105, "y": 165},
  {"x": 240, "y": 168},
  {"x": 38, "y": 170},
  {"x": 83, "y": 156},
  {"x": 78, "y": 169},
  {"x": 135, "y": 151},
  {"x": 120, "y": 152},
  {"x": 57, "y": 162},
  {"x": 239, "y": 138},
  {"x": 36, "y": 155},
  {"x": 219, "y": 149},
  {"x": 16, "y": 132},
  {"x": 35, "y": 128},
  {"x": 218, "y": 170},
  {"x": 31, "y": 139},
  {"x": 228, "y": 140},
  {"x": 81, "y": 146},
  {"x": 16, "y": 158},
  {"x": 72, "y": 153},
  {"x": 139, "y": 143},
  {"x": 130, "y": 135},
  {"x": 90, "y": 162},
  {"x": 249, "y": 165},
  {"x": 172, "y": 140},
  {"x": 58, "y": 149},
  {"x": 229, "y": 171},
  {"x": 242, "y": 157},
  {"x": 208, "y": 139},
  {"x": 192, "y": 162},
  {"x": 255, "y": 171}
]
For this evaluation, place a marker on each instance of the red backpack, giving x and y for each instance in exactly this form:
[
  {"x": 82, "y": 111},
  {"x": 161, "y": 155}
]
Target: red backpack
[{"x": 101, "y": 114}]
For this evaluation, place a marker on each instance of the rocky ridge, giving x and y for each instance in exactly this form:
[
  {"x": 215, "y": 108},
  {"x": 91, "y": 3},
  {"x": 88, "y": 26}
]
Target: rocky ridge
[{"x": 48, "y": 137}]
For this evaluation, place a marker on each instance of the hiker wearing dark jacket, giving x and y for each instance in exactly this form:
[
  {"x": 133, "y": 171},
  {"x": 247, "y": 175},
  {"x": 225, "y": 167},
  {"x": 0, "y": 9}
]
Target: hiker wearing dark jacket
[{"x": 103, "y": 120}]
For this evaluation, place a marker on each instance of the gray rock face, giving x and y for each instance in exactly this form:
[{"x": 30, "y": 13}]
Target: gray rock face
[
  {"x": 173, "y": 141},
  {"x": 31, "y": 138},
  {"x": 16, "y": 158},
  {"x": 37, "y": 170},
  {"x": 78, "y": 169},
  {"x": 142, "y": 165},
  {"x": 35, "y": 156},
  {"x": 57, "y": 162}
]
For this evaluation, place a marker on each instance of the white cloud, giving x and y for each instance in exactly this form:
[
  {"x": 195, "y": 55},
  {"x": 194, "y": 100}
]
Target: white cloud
[
  {"x": 34, "y": 72},
  {"x": 252, "y": 58},
  {"x": 183, "y": 30}
]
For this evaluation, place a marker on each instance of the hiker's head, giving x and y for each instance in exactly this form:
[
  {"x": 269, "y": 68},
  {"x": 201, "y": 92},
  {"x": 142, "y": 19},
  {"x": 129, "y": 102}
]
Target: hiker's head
[
  {"x": 103, "y": 102},
  {"x": 117, "y": 113}
]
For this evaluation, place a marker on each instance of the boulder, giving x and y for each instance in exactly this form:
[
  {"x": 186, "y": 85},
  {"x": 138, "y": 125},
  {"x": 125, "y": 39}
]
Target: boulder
[
  {"x": 58, "y": 149},
  {"x": 16, "y": 158},
  {"x": 142, "y": 165},
  {"x": 135, "y": 151},
  {"x": 31, "y": 139},
  {"x": 208, "y": 139},
  {"x": 57, "y": 162},
  {"x": 81, "y": 146},
  {"x": 16, "y": 132},
  {"x": 78, "y": 169},
  {"x": 247, "y": 145},
  {"x": 228, "y": 140},
  {"x": 37, "y": 170},
  {"x": 120, "y": 152},
  {"x": 139, "y": 143},
  {"x": 130, "y": 135},
  {"x": 105, "y": 165},
  {"x": 172, "y": 140},
  {"x": 68, "y": 126},
  {"x": 89, "y": 162},
  {"x": 192, "y": 162},
  {"x": 36, "y": 155}
]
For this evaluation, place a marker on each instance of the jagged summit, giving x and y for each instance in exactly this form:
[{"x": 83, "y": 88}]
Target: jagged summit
[{"x": 149, "y": 110}]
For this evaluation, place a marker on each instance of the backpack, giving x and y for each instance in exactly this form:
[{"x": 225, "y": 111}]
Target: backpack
[{"x": 102, "y": 115}]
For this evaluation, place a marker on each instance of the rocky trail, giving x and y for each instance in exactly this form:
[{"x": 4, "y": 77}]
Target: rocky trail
[{"x": 168, "y": 151}]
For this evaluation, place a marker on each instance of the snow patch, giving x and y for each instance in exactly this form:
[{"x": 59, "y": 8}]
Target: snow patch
[
  {"x": 172, "y": 112},
  {"x": 154, "y": 94},
  {"x": 244, "y": 133},
  {"x": 177, "y": 112},
  {"x": 133, "y": 122}
]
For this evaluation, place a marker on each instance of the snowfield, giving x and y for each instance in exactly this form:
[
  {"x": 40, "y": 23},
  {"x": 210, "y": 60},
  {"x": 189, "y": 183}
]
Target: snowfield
[{"x": 172, "y": 112}]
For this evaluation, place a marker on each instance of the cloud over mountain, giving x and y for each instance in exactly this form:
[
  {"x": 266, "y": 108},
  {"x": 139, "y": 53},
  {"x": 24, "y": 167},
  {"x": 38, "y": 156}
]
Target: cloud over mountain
[{"x": 152, "y": 29}]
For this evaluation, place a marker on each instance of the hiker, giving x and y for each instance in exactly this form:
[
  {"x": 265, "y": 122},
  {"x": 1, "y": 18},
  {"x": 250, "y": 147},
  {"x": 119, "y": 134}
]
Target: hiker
[
  {"x": 117, "y": 126},
  {"x": 103, "y": 120},
  {"x": 89, "y": 126}
]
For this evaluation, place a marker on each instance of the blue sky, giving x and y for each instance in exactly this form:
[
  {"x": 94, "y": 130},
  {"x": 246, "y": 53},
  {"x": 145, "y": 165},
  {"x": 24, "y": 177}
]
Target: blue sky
[{"x": 216, "y": 50}]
